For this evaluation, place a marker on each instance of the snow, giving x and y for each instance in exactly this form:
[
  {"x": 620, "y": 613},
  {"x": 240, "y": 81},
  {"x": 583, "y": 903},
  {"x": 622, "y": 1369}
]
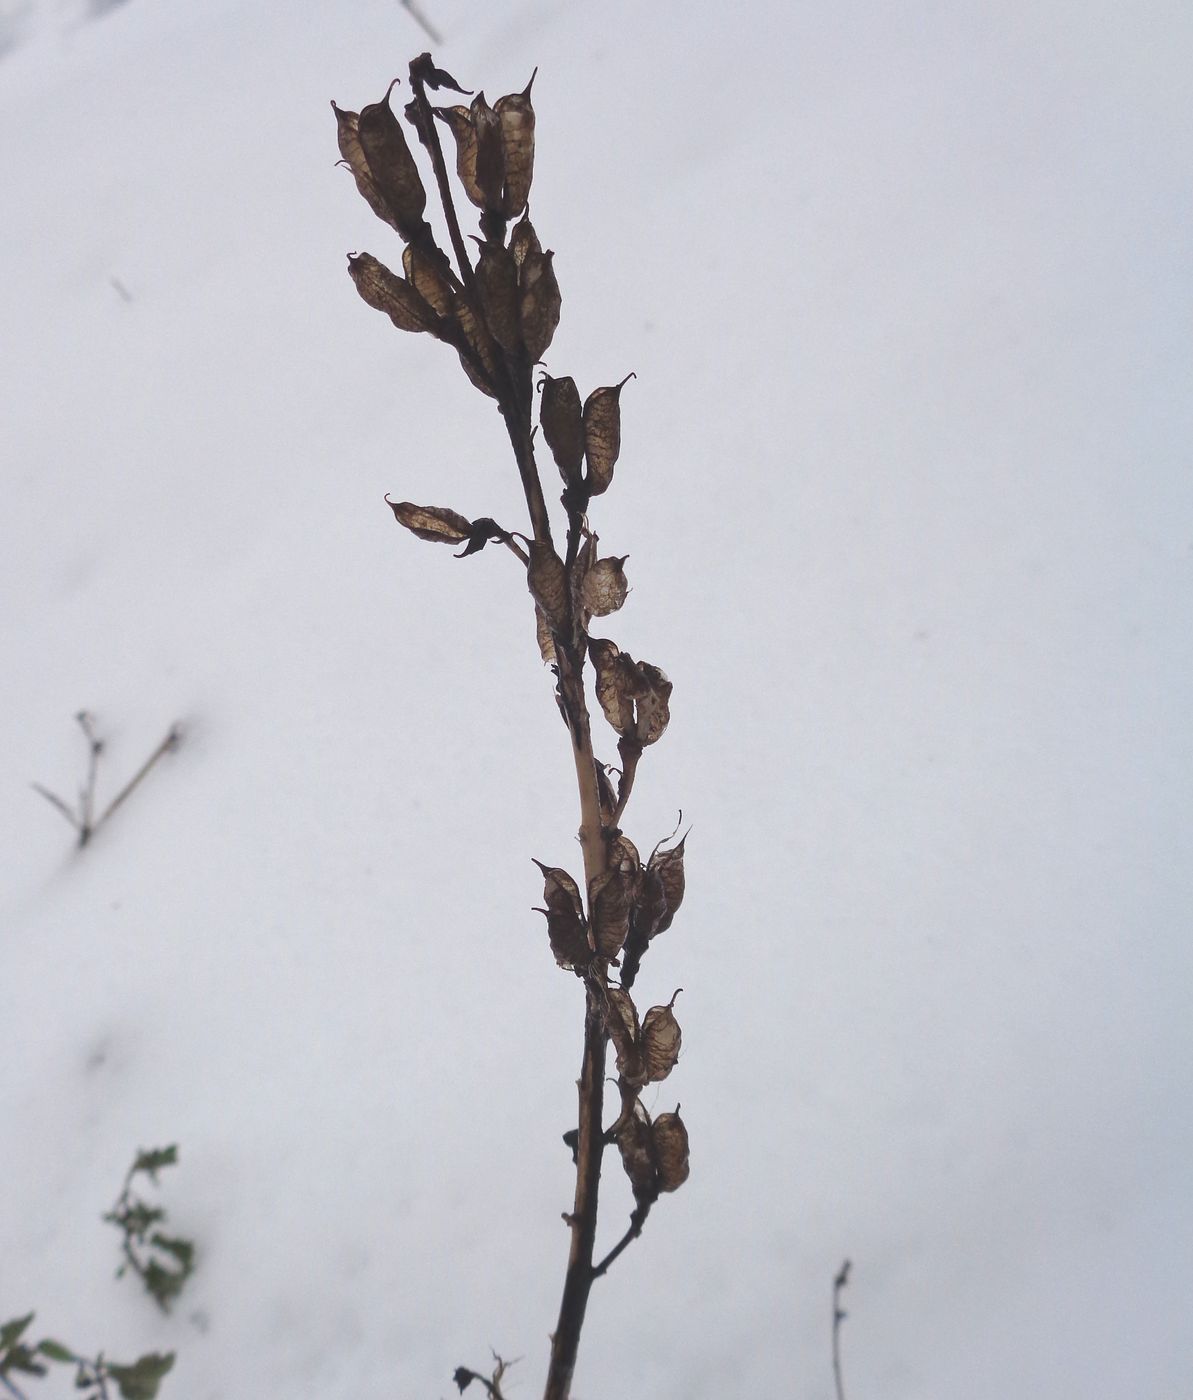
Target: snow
[{"x": 906, "y": 498}]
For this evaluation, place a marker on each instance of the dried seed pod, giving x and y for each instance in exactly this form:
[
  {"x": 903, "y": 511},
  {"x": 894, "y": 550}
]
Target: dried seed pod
[
  {"x": 429, "y": 273},
  {"x": 546, "y": 577},
  {"x": 490, "y": 153},
  {"x": 602, "y": 434},
  {"x": 516, "y": 116},
  {"x": 623, "y": 855},
  {"x": 524, "y": 241},
  {"x": 654, "y": 711},
  {"x": 615, "y": 683},
  {"x": 621, "y": 1021},
  {"x": 669, "y": 1139},
  {"x": 566, "y": 926},
  {"x": 392, "y": 166},
  {"x": 609, "y": 898},
  {"x": 459, "y": 121},
  {"x": 348, "y": 139},
  {"x": 667, "y": 868},
  {"x": 546, "y": 641},
  {"x": 392, "y": 294},
  {"x": 604, "y": 588},
  {"x": 435, "y": 523},
  {"x": 540, "y": 302},
  {"x": 635, "y": 1142},
  {"x": 563, "y": 429},
  {"x": 497, "y": 285},
  {"x": 660, "y": 1041},
  {"x": 480, "y": 342}
]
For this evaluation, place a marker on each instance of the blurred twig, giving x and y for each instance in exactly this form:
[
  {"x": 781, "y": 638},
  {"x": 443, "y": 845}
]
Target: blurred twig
[{"x": 839, "y": 1316}]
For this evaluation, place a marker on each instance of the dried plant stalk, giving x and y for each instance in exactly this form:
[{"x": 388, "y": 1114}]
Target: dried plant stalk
[{"x": 499, "y": 314}]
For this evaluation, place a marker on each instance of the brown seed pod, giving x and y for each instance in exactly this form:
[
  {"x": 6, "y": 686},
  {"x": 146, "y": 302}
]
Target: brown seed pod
[
  {"x": 654, "y": 711},
  {"x": 669, "y": 1139},
  {"x": 566, "y": 926},
  {"x": 540, "y": 302},
  {"x": 392, "y": 294},
  {"x": 542, "y": 631},
  {"x": 635, "y": 1142},
  {"x": 524, "y": 241},
  {"x": 546, "y": 577},
  {"x": 563, "y": 429},
  {"x": 621, "y": 1021},
  {"x": 497, "y": 285},
  {"x": 516, "y": 116},
  {"x": 604, "y": 588},
  {"x": 667, "y": 869},
  {"x": 459, "y": 122},
  {"x": 609, "y": 898},
  {"x": 392, "y": 166},
  {"x": 616, "y": 683},
  {"x": 430, "y": 275},
  {"x": 435, "y": 523},
  {"x": 602, "y": 434},
  {"x": 660, "y": 1041},
  {"x": 490, "y": 153},
  {"x": 348, "y": 139}
]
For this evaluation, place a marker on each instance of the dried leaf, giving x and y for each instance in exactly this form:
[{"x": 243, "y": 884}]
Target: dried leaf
[
  {"x": 516, "y": 116},
  {"x": 560, "y": 420},
  {"x": 435, "y": 523},
  {"x": 546, "y": 577},
  {"x": 602, "y": 434},
  {"x": 490, "y": 154},
  {"x": 670, "y": 1141},
  {"x": 660, "y": 1041},
  {"x": 566, "y": 925},
  {"x": 540, "y": 302},
  {"x": 635, "y": 1142},
  {"x": 391, "y": 165},
  {"x": 392, "y": 294},
  {"x": 604, "y": 588},
  {"x": 459, "y": 120},
  {"x": 497, "y": 285},
  {"x": 429, "y": 273}
]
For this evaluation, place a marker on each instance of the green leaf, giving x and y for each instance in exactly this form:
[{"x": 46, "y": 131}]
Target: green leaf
[
  {"x": 152, "y": 1160},
  {"x": 141, "y": 1380},
  {"x": 10, "y": 1332},
  {"x": 55, "y": 1350}
]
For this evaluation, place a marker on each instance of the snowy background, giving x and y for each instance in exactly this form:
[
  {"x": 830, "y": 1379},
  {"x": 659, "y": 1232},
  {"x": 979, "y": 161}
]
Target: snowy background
[{"x": 906, "y": 493}]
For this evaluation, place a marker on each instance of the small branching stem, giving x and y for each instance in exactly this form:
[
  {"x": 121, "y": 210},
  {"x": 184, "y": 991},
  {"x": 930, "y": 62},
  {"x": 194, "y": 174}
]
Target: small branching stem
[
  {"x": 839, "y": 1316},
  {"x": 11, "y": 1388},
  {"x": 435, "y": 150},
  {"x": 637, "y": 1220}
]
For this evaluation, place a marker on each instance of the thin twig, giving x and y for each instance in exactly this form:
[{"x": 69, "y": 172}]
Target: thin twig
[
  {"x": 427, "y": 126},
  {"x": 170, "y": 742},
  {"x": 839, "y": 1316},
  {"x": 421, "y": 20},
  {"x": 12, "y": 1390},
  {"x": 637, "y": 1220},
  {"x": 57, "y": 802}
]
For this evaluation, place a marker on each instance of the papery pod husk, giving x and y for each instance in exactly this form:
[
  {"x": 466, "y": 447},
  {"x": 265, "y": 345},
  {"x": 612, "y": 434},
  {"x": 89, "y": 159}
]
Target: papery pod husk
[
  {"x": 654, "y": 711},
  {"x": 524, "y": 242},
  {"x": 615, "y": 683},
  {"x": 348, "y": 139},
  {"x": 609, "y": 898},
  {"x": 497, "y": 285},
  {"x": 546, "y": 639},
  {"x": 666, "y": 867},
  {"x": 392, "y": 294},
  {"x": 516, "y": 116},
  {"x": 392, "y": 165},
  {"x": 621, "y": 1021},
  {"x": 567, "y": 928},
  {"x": 477, "y": 336},
  {"x": 660, "y": 1042},
  {"x": 602, "y": 435},
  {"x": 459, "y": 121},
  {"x": 540, "y": 303},
  {"x": 560, "y": 419},
  {"x": 623, "y": 855},
  {"x": 635, "y": 1142},
  {"x": 547, "y": 579},
  {"x": 490, "y": 153},
  {"x": 605, "y": 587},
  {"x": 476, "y": 375},
  {"x": 426, "y": 273},
  {"x": 435, "y": 523},
  {"x": 669, "y": 1139}
]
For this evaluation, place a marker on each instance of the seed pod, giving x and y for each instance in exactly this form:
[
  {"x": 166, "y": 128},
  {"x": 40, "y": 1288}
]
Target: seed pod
[
  {"x": 621, "y": 1021},
  {"x": 602, "y": 434},
  {"x": 490, "y": 153},
  {"x": 546, "y": 641},
  {"x": 615, "y": 683},
  {"x": 435, "y": 523},
  {"x": 427, "y": 272},
  {"x": 459, "y": 120},
  {"x": 604, "y": 588},
  {"x": 524, "y": 241},
  {"x": 609, "y": 898},
  {"x": 540, "y": 302},
  {"x": 667, "y": 868},
  {"x": 497, "y": 285},
  {"x": 477, "y": 336},
  {"x": 635, "y": 1142},
  {"x": 669, "y": 1139},
  {"x": 654, "y": 710},
  {"x": 516, "y": 116},
  {"x": 547, "y": 580},
  {"x": 660, "y": 1041},
  {"x": 392, "y": 166},
  {"x": 392, "y": 294},
  {"x": 560, "y": 420},
  {"x": 348, "y": 139},
  {"x": 566, "y": 926}
]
